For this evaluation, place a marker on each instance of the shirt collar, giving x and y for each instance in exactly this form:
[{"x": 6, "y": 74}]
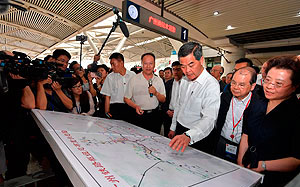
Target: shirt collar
[
  {"x": 202, "y": 77},
  {"x": 245, "y": 100}
]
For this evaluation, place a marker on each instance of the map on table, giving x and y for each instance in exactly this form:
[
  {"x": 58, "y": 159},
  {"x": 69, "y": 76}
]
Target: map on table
[{"x": 117, "y": 153}]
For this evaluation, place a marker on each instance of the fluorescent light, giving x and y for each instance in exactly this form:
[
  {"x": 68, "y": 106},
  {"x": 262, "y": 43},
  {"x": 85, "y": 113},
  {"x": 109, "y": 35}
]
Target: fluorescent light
[
  {"x": 216, "y": 13},
  {"x": 229, "y": 27}
]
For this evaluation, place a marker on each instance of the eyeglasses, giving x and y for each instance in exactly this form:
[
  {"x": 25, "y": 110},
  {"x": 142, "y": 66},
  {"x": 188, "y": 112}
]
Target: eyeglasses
[
  {"x": 241, "y": 85},
  {"x": 276, "y": 84},
  {"x": 77, "y": 86}
]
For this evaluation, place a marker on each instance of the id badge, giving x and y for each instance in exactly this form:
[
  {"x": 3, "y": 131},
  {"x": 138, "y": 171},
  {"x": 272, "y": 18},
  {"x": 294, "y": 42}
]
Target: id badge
[{"x": 231, "y": 149}]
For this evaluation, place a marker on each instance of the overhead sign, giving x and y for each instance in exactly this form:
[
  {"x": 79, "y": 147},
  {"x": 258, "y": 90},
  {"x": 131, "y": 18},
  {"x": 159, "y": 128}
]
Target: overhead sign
[{"x": 142, "y": 17}]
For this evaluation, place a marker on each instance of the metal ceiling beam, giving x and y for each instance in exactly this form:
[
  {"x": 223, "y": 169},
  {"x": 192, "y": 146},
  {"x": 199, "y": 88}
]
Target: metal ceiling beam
[
  {"x": 49, "y": 14},
  {"x": 23, "y": 40},
  {"x": 20, "y": 27},
  {"x": 18, "y": 47}
]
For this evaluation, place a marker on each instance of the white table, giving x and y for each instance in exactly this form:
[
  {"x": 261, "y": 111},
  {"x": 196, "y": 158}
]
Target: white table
[{"x": 102, "y": 152}]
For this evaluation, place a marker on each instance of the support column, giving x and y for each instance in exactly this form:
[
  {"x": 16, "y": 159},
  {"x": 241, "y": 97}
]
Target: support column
[
  {"x": 176, "y": 45},
  {"x": 235, "y": 55},
  {"x": 120, "y": 45}
]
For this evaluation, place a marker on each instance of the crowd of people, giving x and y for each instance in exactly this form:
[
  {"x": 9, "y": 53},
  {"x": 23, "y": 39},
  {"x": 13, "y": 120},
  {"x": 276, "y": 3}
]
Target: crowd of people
[{"x": 244, "y": 120}]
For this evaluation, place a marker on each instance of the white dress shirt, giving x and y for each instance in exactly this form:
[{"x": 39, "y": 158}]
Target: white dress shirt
[
  {"x": 238, "y": 110},
  {"x": 198, "y": 106},
  {"x": 137, "y": 91},
  {"x": 115, "y": 85},
  {"x": 175, "y": 93}
]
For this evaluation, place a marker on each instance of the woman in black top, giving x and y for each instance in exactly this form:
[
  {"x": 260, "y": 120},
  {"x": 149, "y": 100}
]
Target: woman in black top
[{"x": 270, "y": 142}]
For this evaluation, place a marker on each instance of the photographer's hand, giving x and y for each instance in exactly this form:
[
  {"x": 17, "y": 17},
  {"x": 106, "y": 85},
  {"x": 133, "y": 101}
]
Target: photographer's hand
[
  {"x": 56, "y": 86},
  {"x": 64, "y": 99},
  {"x": 90, "y": 78},
  {"x": 13, "y": 76},
  {"x": 96, "y": 58},
  {"x": 41, "y": 99},
  {"x": 45, "y": 81}
]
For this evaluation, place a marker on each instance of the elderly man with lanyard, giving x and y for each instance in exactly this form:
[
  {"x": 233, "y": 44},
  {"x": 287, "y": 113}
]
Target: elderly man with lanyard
[
  {"x": 230, "y": 117},
  {"x": 199, "y": 100},
  {"x": 144, "y": 92}
]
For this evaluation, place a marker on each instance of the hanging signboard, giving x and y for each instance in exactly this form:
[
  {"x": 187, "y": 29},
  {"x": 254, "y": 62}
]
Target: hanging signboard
[{"x": 142, "y": 17}]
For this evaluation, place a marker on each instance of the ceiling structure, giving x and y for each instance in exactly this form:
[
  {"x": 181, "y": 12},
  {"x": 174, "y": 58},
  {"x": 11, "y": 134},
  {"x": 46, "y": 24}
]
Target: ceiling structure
[{"x": 261, "y": 28}]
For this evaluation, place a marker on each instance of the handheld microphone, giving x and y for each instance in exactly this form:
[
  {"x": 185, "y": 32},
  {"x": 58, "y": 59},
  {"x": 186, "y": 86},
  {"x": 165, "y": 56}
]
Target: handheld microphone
[{"x": 150, "y": 84}]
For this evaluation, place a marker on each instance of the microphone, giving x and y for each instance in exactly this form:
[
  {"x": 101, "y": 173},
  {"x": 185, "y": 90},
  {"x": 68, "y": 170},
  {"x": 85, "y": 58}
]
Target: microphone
[
  {"x": 124, "y": 28},
  {"x": 150, "y": 84},
  {"x": 121, "y": 23}
]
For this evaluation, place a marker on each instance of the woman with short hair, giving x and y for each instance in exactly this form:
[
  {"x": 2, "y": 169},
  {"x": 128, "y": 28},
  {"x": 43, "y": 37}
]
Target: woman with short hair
[{"x": 270, "y": 142}]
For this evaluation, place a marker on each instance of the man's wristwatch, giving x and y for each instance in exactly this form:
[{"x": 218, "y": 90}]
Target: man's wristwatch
[
  {"x": 108, "y": 115},
  {"x": 263, "y": 165},
  {"x": 187, "y": 135}
]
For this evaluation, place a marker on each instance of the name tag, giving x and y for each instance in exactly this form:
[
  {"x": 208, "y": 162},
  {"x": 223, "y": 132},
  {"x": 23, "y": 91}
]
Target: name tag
[{"x": 231, "y": 149}]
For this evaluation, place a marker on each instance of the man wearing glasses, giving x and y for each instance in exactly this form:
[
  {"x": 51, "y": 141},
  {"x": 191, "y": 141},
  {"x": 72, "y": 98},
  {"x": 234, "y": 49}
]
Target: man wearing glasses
[
  {"x": 199, "y": 100},
  {"x": 50, "y": 94},
  {"x": 230, "y": 117}
]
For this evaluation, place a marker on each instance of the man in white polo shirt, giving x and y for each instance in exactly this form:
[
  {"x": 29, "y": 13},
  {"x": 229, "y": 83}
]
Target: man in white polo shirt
[
  {"x": 198, "y": 104},
  {"x": 144, "y": 92},
  {"x": 114, "y": 88}
]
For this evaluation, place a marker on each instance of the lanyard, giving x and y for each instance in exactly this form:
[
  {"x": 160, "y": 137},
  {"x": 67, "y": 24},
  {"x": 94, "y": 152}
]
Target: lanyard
[
  {"x": 78, "y": 109},
  {"x": 233, "y": 124}
]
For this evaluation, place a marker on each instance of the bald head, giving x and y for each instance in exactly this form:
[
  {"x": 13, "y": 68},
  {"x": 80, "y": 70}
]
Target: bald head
[
  {"x": 243, "y": 82},
  {"x": 217, "y": 71}
]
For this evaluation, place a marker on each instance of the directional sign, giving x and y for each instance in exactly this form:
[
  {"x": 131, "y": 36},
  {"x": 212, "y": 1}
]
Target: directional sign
[{"x": 142, "y": 17}]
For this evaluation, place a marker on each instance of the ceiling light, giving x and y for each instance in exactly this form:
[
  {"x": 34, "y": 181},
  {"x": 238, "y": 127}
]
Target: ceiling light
[
  {"x": 216, "y": 13},
  {"x": 229, "y": 27}
]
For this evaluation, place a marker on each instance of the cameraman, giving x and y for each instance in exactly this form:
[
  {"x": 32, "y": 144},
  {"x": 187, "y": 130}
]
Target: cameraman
[
  {"x": 14, "y": 114},
  {"x": 62, "y": 57},
  {"x": 50, "y": 94}
]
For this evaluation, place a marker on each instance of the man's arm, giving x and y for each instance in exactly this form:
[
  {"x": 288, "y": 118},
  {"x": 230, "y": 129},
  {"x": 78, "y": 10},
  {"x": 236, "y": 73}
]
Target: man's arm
[
  {"x": 107, "y": 104},
  {"x": 27, "y": 99},
  {"x": 64, "y": 99},
  {"x": 133, "y": 105}
]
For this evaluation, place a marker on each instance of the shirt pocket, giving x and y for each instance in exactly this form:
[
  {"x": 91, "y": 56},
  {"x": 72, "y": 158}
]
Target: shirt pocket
[{"x": 195, "y": 105}]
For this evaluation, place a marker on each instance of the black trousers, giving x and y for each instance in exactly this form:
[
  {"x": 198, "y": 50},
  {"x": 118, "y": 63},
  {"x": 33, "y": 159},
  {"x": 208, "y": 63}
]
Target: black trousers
[
  {"x": 205, "y": 145},
  {"x": 149, "y": 120},
  {"x": 120, "y": 111}
]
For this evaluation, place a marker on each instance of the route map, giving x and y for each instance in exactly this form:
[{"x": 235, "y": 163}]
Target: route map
[{"x": 117, "y": 153}]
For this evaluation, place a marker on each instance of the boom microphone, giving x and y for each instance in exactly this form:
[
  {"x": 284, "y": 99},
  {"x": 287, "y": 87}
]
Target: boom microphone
[
  {"x": 124, "y": 28},
  {"x": 121, "y": 23}
]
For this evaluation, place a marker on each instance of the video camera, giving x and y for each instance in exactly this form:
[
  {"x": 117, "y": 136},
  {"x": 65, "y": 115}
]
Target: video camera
[{"x": 21, "y": 64}]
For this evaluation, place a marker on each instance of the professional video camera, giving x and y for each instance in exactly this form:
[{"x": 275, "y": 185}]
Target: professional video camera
[{"x": 21, "y": 64}]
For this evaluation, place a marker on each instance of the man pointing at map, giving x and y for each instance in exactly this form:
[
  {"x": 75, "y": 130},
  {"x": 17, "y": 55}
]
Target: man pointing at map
[{"x": 198, "y": 104}]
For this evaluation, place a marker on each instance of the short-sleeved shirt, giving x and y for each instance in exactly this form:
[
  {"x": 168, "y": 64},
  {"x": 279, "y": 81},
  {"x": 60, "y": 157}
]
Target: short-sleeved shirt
[
  {"x": 137, "y": 91},
  {"x": 115, "y": 85}
]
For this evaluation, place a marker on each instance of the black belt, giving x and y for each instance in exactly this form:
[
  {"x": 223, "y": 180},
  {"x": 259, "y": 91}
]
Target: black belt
[{"x": 150, "y": 111}]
